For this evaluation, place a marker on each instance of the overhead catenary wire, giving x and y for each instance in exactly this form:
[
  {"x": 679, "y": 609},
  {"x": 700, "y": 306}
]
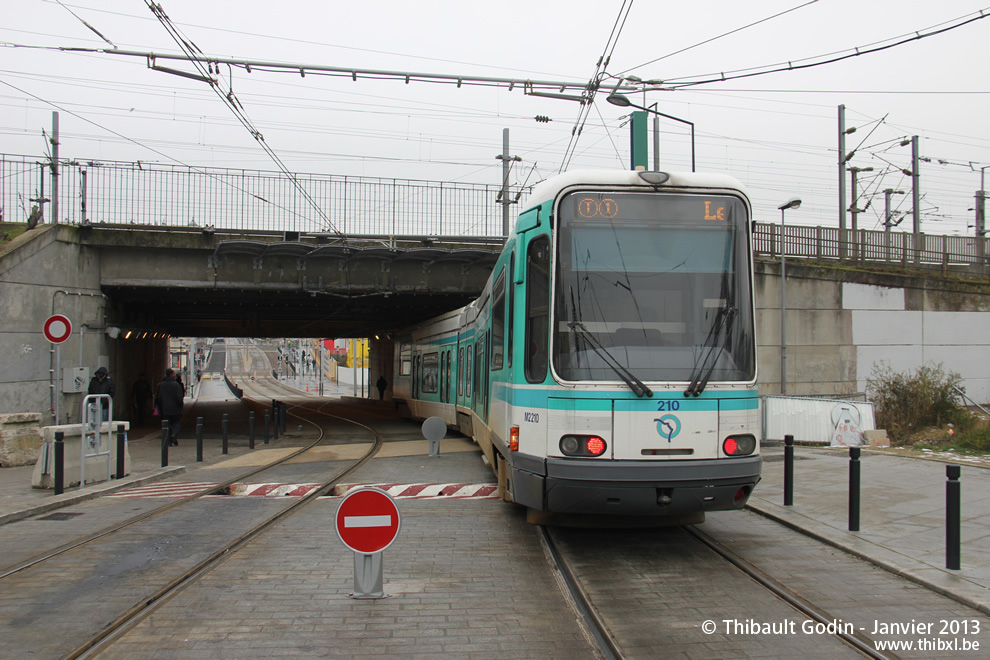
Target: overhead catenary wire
[
  {"x": 231, "y": 101},
  {"x": 830, "y": 58},
  {"x": 716, "y": 38},
  {"x": 595, "y": 81}
]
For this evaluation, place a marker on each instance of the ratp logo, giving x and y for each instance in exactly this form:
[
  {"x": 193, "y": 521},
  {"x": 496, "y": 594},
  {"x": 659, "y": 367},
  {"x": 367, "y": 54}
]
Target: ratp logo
[{"x": 668, "y": 427}]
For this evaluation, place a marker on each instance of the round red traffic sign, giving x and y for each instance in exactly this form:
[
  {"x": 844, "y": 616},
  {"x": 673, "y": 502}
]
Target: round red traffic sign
[
  {"x": 367, "y": 520},
  {"x": 58, "y": 328}
]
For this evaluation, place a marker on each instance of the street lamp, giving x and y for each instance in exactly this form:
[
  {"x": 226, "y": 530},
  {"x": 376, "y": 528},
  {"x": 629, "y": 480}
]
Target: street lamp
[
  {"x": 623, "y": 102},
  {"x": 792, "y": 203}
]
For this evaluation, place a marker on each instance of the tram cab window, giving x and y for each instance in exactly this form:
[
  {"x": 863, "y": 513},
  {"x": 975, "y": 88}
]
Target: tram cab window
[
  {"x": 508, "y": 346},
  {"x": 653, "y": 282},
  {"x": 498, "y": 321},
  {"x": 537, "y": 320}
]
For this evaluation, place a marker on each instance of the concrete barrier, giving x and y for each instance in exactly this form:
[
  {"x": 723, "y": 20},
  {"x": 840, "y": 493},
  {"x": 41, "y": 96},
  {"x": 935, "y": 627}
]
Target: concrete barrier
[
  {"x": 20, "y": 438},
  {"x": 98, "y": 468}
]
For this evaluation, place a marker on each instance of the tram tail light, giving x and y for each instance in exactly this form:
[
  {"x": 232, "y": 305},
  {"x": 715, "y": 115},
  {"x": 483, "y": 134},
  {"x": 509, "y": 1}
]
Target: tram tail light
[
  {"x": 514, "y": 438},
  {"x": 739, "y": 445},
  {"x": 582, "y": 445}
]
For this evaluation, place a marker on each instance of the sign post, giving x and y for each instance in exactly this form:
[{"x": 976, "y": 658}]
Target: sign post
[
  {"x": 434, "y": 430},
  {"x": 367, "y": 522},
  {"x": 57, "y": 329}
]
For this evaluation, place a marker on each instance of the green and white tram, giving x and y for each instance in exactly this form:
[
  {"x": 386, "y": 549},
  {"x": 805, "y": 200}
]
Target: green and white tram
[{"x": 609, "y": 367}]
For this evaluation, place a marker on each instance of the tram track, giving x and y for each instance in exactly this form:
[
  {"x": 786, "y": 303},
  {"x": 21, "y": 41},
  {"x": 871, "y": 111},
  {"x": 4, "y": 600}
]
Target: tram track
[
  {"x": 212, "y": 490},
  {"x": 572, "y": 561},
  {"x": 132, "y": 617},
  {"x": 146, "y": 543}
]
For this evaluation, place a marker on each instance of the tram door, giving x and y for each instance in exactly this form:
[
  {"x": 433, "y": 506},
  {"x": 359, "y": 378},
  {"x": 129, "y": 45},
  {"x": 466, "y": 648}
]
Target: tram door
[{"x": 415, "y": 378}]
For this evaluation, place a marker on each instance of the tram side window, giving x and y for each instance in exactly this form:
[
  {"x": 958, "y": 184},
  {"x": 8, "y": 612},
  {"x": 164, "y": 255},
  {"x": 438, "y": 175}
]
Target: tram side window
[
  {"x": 467, "y": 374},
  {"x": 460, "y": 371},
  {"x": 430, "y": 372},
  {"x": 498, "y": 321},
  {"x": 537, "y": 309}
]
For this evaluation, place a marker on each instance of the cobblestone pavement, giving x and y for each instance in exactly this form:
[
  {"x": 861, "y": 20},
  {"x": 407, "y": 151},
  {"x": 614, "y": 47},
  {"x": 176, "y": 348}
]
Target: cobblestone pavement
[{"x": 469, "y": 577}]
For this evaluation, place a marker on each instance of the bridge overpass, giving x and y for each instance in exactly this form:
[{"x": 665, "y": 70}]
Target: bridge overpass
[{"x": 852, "y": 299}]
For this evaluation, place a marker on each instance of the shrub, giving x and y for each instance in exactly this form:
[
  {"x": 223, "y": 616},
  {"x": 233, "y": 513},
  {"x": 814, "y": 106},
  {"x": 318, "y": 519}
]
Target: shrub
[{"x": 906, "y": 402}]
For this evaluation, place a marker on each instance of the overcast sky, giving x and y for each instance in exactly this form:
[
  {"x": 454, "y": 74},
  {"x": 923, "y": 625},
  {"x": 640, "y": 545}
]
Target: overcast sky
[{"x": 777, "y": 133}]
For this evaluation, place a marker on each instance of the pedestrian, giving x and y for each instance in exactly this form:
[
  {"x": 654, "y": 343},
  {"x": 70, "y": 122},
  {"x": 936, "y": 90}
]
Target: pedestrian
[
  {"x": 169, "y": 403},
  {"x": 382, "y": 384},
  {"x": 101, "y": 384},
  {"x": 140, "y": 396}
]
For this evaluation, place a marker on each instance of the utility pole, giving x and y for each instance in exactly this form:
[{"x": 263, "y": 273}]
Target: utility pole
[
  {"x": 842, "y": 181},
  {"x": 916, "y": 198},
  {"x": 503, "y": 196},
  {"x": 54, "y": 167},
  {"x": 888, "y": 222},
  {"x": 853, "y": 209}
]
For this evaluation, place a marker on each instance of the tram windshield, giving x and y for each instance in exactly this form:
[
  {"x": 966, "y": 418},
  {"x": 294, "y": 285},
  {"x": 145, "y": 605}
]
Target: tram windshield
[{"x": 658, "y": 283}]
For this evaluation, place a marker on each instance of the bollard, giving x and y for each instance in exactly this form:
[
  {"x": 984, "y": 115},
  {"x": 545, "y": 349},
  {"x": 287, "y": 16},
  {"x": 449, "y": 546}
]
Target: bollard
[
  {"x": 854, "y": 474},
  {"x": 251, "y": 430},
  {"x": 59, "y": 462},
  {"x": 282, "y": 409},
  {"x": 224, "y": 426},
  {"x": 164, "y": 443},
  {"x": 953, "y": 517},
  {"x": 788, "y": 470},
  {"x": 267, "y": 422},
  {"x": 199, "y": 439},
  {"x": 120, "y": 451},
  {"x": 275, "y": 422}
]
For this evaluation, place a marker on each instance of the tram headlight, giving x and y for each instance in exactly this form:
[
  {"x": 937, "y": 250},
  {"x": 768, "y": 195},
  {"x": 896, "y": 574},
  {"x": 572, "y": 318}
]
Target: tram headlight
[
  {"x": 739, "y": 445},
  {"x": 582, "y": 445}
]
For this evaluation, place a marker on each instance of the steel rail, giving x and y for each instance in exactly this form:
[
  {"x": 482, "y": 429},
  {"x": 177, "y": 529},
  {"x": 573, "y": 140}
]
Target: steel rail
[
  {"x": 856, "y": 640},
  {"x": 110, "y": 529},
  {"x": 132, "y": 617},
  {"x": 607, "y": 644}
]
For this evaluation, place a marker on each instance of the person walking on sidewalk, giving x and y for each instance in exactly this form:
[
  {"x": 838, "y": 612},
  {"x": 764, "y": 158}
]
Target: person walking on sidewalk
[{"x": 169, "y": 402}]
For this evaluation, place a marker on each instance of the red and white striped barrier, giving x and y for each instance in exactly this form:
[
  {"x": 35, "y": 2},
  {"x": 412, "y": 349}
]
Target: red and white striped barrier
[
  {"x": 455, "y": 491},
  {"x": 174, "y": 490},
  {"x": 424, "y": 491}
]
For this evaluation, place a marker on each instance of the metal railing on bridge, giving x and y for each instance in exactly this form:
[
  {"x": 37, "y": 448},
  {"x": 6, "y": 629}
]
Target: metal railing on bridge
[
  {"x": 905, "y": 249},
  {"x": 118, "y": 193}
]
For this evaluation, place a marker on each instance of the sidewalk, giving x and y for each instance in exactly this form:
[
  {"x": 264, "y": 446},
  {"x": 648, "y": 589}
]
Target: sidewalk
[{"x": 902, "y": 513}]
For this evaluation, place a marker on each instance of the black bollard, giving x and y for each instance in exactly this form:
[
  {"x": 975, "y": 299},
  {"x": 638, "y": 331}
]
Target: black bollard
[
  {"x": 224, "y": 425},
  {"x": 164, "y": 443},
  {"x": 199, "y": 439},
  {"x": 282, "y": 414},
  {"x": 275, "y": 422},
  {"x": 59, "y": 462},
  {"x": 788, "y": 470},
  {"x": 854, "y": 478},
  {"x": 267, "y": 422},
  {"x": 251, "y": 430},
  {"x": 953, "y": 517},
  {"x": 120, "y": 451}
]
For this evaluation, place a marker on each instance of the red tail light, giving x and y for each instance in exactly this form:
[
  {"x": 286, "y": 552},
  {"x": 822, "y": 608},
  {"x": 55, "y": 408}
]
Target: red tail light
[
  {"x": 739, "y": 445},
  {"x": 514, "y": 438},
  {"x": 582, "y": 445}
]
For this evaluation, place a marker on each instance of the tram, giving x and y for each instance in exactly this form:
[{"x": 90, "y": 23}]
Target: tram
[{"x": 609, "y": 366}]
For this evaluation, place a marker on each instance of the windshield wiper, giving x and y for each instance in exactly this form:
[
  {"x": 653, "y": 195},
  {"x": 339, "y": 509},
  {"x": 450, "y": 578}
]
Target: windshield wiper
[
  {"x": 635, "y": 384},
  {"x": 724, "y": 320}
]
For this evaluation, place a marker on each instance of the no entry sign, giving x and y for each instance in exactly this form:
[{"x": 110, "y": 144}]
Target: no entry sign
[
  {"x": 367, "y": 520},
  {"x": 57, "y": 328}
]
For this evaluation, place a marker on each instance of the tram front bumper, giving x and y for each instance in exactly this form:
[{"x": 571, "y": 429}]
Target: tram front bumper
[{"x": 636, "y": 488}]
